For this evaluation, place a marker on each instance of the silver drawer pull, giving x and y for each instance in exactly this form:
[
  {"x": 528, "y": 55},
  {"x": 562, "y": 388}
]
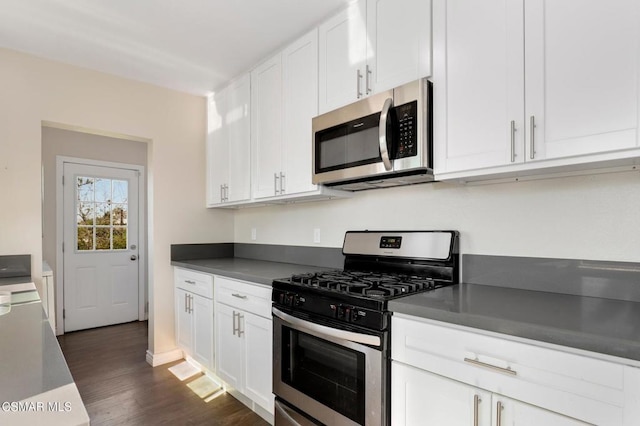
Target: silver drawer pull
[
  {"x": 507, "y": 370},
  {"x": 239, "y": 296},
  {"x": 189, "y": 282}
]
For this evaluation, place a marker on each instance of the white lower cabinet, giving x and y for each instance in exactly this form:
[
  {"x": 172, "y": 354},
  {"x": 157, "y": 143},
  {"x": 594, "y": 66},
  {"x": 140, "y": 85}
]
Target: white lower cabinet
[
  {"x": 453, "y": 403},
  {"x": 194, "y": 315},
  {"x": 444, "y": 374},
  {"x": 244, "y": 339}
]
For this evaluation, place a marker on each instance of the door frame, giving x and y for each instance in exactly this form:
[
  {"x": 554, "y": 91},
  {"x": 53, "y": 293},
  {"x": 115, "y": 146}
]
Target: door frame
[{"x": 142, "y": 226}]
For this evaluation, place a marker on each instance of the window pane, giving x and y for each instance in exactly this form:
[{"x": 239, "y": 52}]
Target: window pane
[
  {"x": 103, "y": 190},
  {"x": 84, "y": 186},
  {"x": 119, "y": 238},
  {"x": 103, "y": 238},
  {"x": 85, "y": 214},
  {"x": 120, "y": 191},
  {"x": 120, "y": 214},
  {"x": 103, "y": 214},
  {"x": 85, "y": 238}
]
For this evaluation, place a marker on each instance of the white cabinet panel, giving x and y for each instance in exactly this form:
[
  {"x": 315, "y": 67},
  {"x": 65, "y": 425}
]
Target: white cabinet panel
[
  {"x": 582, "y": 70},
  {"x": 300, "y": 105},
  {"x": 229, "y": 144},
  {"x": 259, "y": 365},
  {"x": 267, "y": 127},
  {"x": 229, "y": 347},
  {"x": 399, "y": 40},
  {"x": 184, "y": 321},
  {"x": 343, "y": 52},
  {"x": 203, "y": 331},
  {"x": 422, "y": 398},
  {"x": 517, "y": 413},
  {"x": 478, "y": 84}
]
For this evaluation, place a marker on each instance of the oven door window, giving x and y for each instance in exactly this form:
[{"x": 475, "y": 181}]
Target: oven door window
[
  {"x": 348, "y": 145},
  {"x": 331, "y": 374}
]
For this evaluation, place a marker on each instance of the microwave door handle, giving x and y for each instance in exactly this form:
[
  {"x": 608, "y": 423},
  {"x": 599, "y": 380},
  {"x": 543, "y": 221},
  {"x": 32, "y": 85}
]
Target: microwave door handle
[{"x": 382, "y": 129}]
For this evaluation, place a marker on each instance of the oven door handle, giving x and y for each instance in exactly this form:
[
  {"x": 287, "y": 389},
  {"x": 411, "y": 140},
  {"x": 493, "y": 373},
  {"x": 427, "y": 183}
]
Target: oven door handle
[
  {"x": 382, "y": 134},
  {"x": 365, "y": 339}
]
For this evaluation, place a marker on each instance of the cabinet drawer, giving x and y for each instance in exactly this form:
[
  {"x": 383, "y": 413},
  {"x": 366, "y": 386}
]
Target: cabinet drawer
[
  {"x": 194, "y": 282},
  {"x": 579, "y": 386},
  {"x": 254, "y": 298}
]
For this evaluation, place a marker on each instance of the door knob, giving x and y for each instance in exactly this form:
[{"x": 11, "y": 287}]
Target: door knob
[{"x": 134, "y": 257}]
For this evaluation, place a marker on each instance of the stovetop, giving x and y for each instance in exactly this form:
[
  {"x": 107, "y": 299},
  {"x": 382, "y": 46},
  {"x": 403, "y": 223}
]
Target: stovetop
[
  {"x": 366, "y": 284},
  {"x": 379, "y": 266}
]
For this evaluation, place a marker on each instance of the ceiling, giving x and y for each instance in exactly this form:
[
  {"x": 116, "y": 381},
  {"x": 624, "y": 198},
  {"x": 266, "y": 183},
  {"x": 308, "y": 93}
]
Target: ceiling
[{"x": 193, "y": 46}]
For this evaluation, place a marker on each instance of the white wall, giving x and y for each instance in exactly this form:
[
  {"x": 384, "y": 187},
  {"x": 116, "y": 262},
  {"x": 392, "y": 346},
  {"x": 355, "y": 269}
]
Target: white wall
[
  {"x": 589, "y": 217},
  {"x": 33, "y": 90}
]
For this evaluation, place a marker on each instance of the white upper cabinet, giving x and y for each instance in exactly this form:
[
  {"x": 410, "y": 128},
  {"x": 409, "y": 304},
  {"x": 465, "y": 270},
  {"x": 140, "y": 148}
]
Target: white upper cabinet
[
  {"x": 399, "y": 42},
  {"x": 300, "y": 105},
  {"x": 373, "y": 45},
  {"x": 517, "y": 82},
  {"x": 478, "y": 83},
  {"x": 582, "y": 71},
  {"x": 228, "y": 144},
  {"x": 266, "y": 126},
  {"x": 284, "y": 100}
]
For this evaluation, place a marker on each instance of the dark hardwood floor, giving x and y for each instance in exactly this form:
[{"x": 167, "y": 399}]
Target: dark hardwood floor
[{"x": 118, "y": 387}]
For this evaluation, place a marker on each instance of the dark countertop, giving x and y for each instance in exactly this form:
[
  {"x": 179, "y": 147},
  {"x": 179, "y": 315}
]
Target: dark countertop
[
  {"x": 33, "y": 367},
  {"x": 605, "y": 326},
  {"x": 257, "y": 271}
]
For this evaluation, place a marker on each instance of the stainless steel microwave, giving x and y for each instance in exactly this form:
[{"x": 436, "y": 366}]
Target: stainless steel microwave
[{"x": 380, "y": 141}]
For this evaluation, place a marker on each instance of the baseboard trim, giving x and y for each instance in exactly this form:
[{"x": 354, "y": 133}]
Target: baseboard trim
[{"x": 164, "y": 357}]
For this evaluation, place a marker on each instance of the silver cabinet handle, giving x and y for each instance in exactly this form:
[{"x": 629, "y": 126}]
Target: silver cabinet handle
[
  {"x": 513, "y": 141},
  {"x": 226, "y": 192},
  {"x": 186, "y": 306},
  {"x": 476, "y": 402},
  {"x": 240, "y": 321},
  {"x": 189, "y": 282},
  {"x": 191, "y": 304},
  {"x": 239, "y": 296},
  {"x": 382, "y": 133},
  {"x": 532, "y": 126},
  {"x": 367, "y": 80},
  {"x": 507, "y": 370},
  {"x": 499, "y": 408},
  {"x": 358, "y": 78},
  {"x": 234, "y": 323},
  {"x": 276, "y": 180},
  {"x": 282, "y": 186}
]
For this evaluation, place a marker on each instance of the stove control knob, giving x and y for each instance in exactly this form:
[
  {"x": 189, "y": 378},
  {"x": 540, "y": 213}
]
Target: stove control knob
[
  {"x": 354, "y": 315},
  {"x": 340, "y": 312}
]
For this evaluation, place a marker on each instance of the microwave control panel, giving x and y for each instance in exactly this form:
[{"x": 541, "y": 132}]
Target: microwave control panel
[{"x": 406, "y": 131}]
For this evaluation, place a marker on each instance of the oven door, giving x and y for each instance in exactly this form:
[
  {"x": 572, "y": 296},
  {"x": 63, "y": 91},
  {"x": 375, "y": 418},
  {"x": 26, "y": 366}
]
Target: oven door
[{"x": 328, "y": 373}]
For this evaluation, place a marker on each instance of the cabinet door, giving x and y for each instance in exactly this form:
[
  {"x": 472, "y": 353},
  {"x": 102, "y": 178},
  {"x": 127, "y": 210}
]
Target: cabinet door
[
  {"x": 343, "y": 51},
  {"x": 229, "y": 347},
  {"x": 266, "y": 102},
  {"x": 238, "y": 124},
  {"x": 184, "y": 321},
  {"x": 516, "y": 413},
  {"x": 582, "y": 73},
  {"x": 258, "y": 336},
  {"x": 203, "y": 331},
  {"x": 422, "y": 398},
  {"x": 478, "y": 88},
  {"x": 217, "y": 150},
  {"x": 399, "y": 32},
  {"x": 300, "y": 105}
]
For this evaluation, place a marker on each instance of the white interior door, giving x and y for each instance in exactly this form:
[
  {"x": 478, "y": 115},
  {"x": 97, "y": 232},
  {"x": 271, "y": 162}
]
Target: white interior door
[{"x": 100, "y": 246}]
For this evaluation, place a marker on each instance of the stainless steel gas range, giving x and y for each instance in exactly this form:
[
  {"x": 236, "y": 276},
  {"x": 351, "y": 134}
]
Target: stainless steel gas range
[{"x": 331, "y": 348}]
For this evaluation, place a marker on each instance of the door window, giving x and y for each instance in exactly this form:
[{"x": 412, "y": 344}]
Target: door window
[{"x": 102, "y": 212}]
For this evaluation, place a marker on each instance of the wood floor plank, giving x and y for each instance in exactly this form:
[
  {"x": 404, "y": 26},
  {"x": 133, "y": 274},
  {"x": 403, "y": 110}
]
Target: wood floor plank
[{"x": 118, "y": 386}]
